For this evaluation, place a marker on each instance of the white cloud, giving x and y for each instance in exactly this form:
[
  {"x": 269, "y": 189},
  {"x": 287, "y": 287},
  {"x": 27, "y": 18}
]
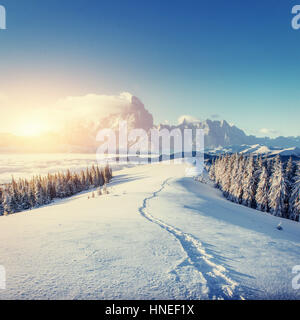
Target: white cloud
[
  {"x": 92, "y": 106},
  {"x": 269, "y": 132},
  {"x": 188, "y": 118},
  {"x": 20, "y": 114}
]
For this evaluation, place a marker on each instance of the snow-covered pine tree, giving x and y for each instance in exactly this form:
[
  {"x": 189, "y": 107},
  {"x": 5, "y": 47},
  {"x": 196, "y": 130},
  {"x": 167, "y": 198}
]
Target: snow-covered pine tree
[
  {"x": 1, "y": 202},
  {"x": 262, "y": 191},
  {"x": 38, "y": 193},
  {"x": 219, "y": 168},
  {"x": 89, "y": 178},
  {"x": 52, "y": 187},
  {"x": 294, "y": 211},
  {"x": 25, "y": 202},
  {"x": 234, "y": 180},
  {"x": 227, "y": 175},
  {"x": 15, "y": 196},
  {"x": 48, "y": 190},
  {"x": 94, "y": 176},
  {"x": 290, "y": 171},
  {"x": 278, "y": 190},
  {"x": 259, "y": 163},
  {"x": 77, "y": 183},
  {"x": 83, "y": 180},
  {"x": 7, "y": 203},
  {"x": 61, "y": 187},
  {"x": 238, "y": 181},
  {"x": 100, "y": 178},
  {"x": 211, "y": 173},
  {"x": 31, "y": 194},
  {"x": 70, "y": 187},
  {"x": 249, "y": 183},
  {"x": 107, "y": 174},
  {"x": 217, "y": 164}
]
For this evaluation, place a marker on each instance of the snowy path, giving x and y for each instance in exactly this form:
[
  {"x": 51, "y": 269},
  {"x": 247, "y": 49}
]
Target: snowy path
[
  {"x": 211, "y": 275},
  {"x": 156, "y": 235}
]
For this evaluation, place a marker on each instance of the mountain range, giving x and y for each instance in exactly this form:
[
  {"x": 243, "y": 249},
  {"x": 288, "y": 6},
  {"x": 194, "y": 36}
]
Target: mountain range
[{"x": 219, "y": 135}]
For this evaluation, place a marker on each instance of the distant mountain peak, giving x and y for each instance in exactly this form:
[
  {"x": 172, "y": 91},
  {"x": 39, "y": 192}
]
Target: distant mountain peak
[{"x": 135, "y": 114}]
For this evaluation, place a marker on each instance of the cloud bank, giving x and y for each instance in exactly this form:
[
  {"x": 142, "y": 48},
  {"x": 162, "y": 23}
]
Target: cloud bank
[
  {"x": 188, "y": 118},
  {"x": 92, "y": 107},
  {"x": 17, "y": 115},
  {"x": 268, "y": 132}
]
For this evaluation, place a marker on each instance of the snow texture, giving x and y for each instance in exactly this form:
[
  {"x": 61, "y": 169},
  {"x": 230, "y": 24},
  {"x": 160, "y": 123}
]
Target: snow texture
[{"x": 157, "y": 234}]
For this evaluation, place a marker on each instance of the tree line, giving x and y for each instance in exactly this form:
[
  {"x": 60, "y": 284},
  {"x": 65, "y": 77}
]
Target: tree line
[
  {"x": 267, "y": 185},
  {"x": 26, "y": 194}
]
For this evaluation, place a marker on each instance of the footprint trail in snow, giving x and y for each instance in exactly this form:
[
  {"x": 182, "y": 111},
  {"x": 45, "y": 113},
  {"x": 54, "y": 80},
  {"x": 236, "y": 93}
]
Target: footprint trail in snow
[{"x": 213, "y": 281}]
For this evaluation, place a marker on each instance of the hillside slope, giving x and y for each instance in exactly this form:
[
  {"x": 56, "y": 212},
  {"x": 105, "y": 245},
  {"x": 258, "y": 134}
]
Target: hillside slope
[{"x": 156, "y": 235}]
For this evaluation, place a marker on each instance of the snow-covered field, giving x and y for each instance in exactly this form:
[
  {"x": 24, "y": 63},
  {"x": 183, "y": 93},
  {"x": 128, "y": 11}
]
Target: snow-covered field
[{"x": 157, "y": 235}]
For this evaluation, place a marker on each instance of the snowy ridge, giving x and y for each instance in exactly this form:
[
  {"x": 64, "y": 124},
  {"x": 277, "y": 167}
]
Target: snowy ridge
[
  {"x": 256, "y": 149},
  {"x": 215, "y": 284}
]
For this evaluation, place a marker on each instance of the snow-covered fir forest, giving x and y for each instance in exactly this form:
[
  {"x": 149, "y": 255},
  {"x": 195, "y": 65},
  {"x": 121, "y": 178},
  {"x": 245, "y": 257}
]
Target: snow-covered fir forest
[
  {"x": 267, "y": 185},
  {"x": 26, "y": 194}
]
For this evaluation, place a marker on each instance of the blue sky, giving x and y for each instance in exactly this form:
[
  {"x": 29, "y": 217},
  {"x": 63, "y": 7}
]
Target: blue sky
[{"x": 233, "y": 60}]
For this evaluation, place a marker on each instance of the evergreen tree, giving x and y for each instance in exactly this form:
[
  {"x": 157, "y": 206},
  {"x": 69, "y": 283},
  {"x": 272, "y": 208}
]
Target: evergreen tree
[
  {"x": 263, "y": 191},
  {"x": 60, "y": 190},
  {"x": 107, "y": 174},
  {"x": 212, "y": 174},
  {"x": 7, "y": 203},
  {"x": 226, "y": 179},
  {"x": 1, "y": 202},
  {"x": 278, "y": 190},
  {"x": 25, "y": 202},
  {"x": 290, "y": 175},
  {"x": 295, "y": 197},
  {"x": 235, "y": 181},
  {"x": 31, "y": 194},
  {"x": 249, "y": 184},
  {"x": 100, "y": 178},
  {"x": 38, "y": 193},
  {"x": 238, "y": 181}
]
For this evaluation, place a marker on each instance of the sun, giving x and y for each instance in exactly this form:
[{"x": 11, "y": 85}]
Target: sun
[{"x": 30, "y": 129}]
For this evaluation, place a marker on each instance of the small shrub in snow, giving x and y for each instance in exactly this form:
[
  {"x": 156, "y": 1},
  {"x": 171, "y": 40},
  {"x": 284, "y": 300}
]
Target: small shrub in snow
[
  {"x": 105, "y": 191},
  {"x": 279, "y": 227}
]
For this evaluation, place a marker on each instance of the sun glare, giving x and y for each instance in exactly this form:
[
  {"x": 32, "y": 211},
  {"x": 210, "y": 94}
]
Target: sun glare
[{"x": 30, "y": 129}]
